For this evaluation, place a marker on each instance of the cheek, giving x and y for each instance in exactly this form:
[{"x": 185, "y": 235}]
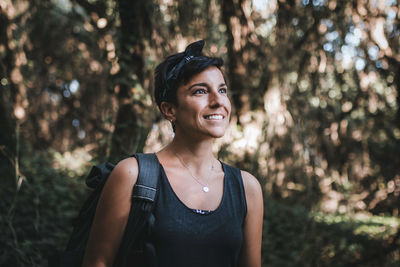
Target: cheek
[
  {"x": 228, "y": 105},
  {"x": 190, "y": 111}
]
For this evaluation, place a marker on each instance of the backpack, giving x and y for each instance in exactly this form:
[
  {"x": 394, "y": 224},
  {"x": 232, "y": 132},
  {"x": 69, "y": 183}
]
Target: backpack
[{"x": 135, "y": 243}]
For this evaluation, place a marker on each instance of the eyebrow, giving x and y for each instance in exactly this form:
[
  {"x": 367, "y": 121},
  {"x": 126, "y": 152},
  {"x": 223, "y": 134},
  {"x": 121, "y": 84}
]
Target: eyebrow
[{"x": 204, "y": 84}]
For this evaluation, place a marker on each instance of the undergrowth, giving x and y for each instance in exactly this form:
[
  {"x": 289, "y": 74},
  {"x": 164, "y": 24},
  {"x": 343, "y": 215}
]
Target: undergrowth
[{"x": 36, "y": 215}]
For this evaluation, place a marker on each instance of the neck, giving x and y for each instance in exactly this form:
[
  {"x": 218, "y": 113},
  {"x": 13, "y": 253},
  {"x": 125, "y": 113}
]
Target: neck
[{"x": 196, "y": 153}]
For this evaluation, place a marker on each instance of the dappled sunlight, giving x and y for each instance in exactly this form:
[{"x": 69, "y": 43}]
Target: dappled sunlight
[
  {"x": 244, "y": 139},
  {"x": 315, "y": 91},
  {"x": 160, "y": 135},
  {"x": 363, "y": 223},
  {"x": 75, "y": 162},
  {"x": 278, "y": 118}
]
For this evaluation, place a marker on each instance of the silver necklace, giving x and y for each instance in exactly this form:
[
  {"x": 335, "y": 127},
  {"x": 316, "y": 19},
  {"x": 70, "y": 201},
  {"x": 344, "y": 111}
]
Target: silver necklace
[{"x": 205, "y": 188}]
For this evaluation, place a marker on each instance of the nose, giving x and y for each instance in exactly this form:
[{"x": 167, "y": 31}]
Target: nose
[{"x": 215, "y": 99}]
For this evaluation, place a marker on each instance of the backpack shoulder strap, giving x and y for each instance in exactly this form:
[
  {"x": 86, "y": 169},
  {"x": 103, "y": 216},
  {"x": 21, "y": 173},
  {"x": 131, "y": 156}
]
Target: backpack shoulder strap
[
  {"x": 149, "y": 172},
  {"x": 143, "y": 201}
]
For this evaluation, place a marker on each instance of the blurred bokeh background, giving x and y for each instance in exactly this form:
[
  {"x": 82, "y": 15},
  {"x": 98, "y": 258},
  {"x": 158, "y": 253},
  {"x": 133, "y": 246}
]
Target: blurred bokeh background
[{"x": 315, "y": 86}]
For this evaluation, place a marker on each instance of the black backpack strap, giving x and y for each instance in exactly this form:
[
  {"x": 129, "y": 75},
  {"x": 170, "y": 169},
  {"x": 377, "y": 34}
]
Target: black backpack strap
[
  {"x": 140, "y": 219},
  {"x": 149, "y": 172}
]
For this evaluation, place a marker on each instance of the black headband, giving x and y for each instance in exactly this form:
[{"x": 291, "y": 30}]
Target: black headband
[{"x": 191, "y": 51}]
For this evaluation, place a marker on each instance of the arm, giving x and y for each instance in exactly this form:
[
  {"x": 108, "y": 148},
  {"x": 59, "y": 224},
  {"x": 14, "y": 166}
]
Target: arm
[
  {"x": 111, "y": 216},
  {"x": 250, "y": 255}
]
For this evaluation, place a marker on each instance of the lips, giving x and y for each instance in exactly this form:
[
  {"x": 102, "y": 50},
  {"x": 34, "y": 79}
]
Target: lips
[{"x": 214, "y": 117}]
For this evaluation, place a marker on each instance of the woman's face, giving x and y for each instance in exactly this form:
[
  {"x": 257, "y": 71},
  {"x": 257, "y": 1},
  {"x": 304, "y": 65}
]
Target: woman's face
[{"x": 203, "y": 105}]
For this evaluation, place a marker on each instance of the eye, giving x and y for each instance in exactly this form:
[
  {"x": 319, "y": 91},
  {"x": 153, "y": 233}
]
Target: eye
[
  {"x": 200, "y": 91},
  {"x": 223, "y": 90}
]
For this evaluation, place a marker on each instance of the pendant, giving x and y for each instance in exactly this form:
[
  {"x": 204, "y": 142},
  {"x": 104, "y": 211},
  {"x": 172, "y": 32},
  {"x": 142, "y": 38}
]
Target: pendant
[{"x": 206, "y": 189}]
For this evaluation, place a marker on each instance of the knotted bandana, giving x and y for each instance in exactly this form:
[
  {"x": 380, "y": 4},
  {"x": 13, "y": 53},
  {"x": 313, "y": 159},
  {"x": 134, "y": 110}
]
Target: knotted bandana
[{"x": 191, "y": 51}]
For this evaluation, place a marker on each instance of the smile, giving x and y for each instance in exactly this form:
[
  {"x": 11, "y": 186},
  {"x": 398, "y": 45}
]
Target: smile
[{"x": 214, "y": 117}]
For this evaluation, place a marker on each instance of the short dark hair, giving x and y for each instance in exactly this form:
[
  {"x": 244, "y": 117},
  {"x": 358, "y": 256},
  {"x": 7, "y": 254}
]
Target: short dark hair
[{"x": 165, "y": 89}]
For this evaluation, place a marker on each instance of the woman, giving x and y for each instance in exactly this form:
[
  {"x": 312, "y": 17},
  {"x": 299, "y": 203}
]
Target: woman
[{"x": 207, "y": 213}]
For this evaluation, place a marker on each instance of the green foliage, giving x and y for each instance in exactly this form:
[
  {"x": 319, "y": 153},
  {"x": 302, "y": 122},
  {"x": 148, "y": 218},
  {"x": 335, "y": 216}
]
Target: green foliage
[
  {"x": 36, "y": 216},
  {"x": 295, "y": 237}
]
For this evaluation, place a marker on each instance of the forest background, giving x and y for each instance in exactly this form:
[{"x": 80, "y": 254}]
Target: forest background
[{"x": 315, "y": 86}]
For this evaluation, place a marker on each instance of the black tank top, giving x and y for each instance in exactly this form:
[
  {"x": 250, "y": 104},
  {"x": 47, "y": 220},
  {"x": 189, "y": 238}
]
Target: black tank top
[{"x": 188, "y": 238}]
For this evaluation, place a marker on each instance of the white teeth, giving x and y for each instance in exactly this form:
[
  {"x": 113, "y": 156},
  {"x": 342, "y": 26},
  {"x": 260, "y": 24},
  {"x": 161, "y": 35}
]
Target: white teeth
[{"x": 214, "y": 117}]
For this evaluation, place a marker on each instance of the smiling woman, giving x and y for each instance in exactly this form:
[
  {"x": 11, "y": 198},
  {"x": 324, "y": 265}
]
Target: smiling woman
[
  {"x": 207, "y": 213},
  {"x": 203, "y": 107}
]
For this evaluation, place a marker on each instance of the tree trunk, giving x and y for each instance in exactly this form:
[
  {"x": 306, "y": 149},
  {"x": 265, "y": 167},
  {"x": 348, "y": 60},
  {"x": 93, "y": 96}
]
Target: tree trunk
[
  {"x": 134, "y": 119},
  {"x": 238, "y": 33},
  {"x": 7, "y": 120}
]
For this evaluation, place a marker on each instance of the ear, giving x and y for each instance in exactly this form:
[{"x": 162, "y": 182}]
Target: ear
[{"x": 168, "y": 110}]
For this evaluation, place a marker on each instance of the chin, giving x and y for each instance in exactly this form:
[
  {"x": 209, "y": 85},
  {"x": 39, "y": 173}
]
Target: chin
[{"x": 217, "y": 134}]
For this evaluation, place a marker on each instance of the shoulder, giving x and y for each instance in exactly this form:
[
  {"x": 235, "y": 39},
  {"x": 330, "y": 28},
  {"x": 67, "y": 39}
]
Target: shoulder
[
  {"x": 251, "y": 184},
  {"x": 252, "y": 189},
  {"x": 124, "y": 174},
  {"x": 112, "y": 213},
  {"x": 251, "y": 250},
  {"x": 127, "y": 167},
  {"x": 118, "y": 188}
]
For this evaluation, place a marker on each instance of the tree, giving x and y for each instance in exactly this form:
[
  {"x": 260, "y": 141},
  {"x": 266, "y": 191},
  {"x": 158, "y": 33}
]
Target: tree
[{"x": 134, "y": 118}]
